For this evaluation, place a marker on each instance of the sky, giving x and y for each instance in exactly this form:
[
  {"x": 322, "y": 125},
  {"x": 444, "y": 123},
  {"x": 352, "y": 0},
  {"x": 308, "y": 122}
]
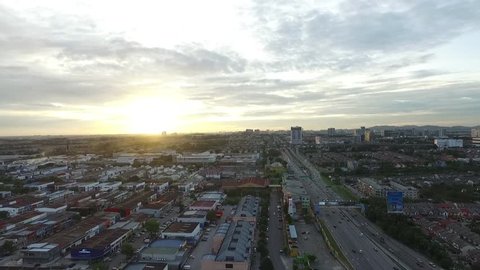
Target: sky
[{"x": 117, "y": 67}]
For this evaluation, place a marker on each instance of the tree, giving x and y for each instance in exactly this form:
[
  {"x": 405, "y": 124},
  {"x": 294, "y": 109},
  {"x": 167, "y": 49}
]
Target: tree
[
  {"x": 9, "y": 247},
  {"x": 266, "y": 264},
  {"x": 211, "y": 216},
  {"x": 152, "y": 227},
  {"x": 99, "y": 266},
  {"x": 128, "y": 250},
  {"x": 4, "y": 214}
]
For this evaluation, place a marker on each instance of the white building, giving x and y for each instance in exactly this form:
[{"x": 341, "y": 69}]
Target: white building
[
  {"x": 448, "y": 143},
  {"x": 52, "y": 209},
  {"x": 88, "y": 186},
  {"x": 193, "y": 216},
  {"x": 408, "y": 191},
  {"x": 205, "y": 157},
  {"x": 296, "y": 135}
]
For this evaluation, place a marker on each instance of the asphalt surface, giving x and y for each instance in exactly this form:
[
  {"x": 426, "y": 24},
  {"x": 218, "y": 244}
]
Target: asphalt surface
[
  {"x": 357, "y": 237},
  {"x": 275, "y": 234},
  {"x": 315, "y": 244}
]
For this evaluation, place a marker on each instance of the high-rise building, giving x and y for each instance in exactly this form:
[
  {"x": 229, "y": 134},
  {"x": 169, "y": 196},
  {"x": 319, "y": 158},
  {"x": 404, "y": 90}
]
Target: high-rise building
[
  {"x": 296, "y": 135},
  {"x": 369, "y": 135},
  {"x": 331, "y": 132},
  {"x": 476, "y": 136}
]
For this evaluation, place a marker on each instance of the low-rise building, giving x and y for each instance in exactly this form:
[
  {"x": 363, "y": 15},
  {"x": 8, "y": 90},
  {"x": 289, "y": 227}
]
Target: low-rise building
[
  {"x": 235, "y": 250},
  {"x": 205, "y": 157},
  {"x": 212, "y": 196},
  {"x": 40, "y": 253},
  {"x": 247, "y": 209},
  {"x": 204, "y": 205},
  {"x": 448, "y": 143},
  {"x": 408, "y": 191},
  {"x": 39, "y": 186},
  {"x": 189, "y": 231},
  {"x": 100, "y": 246},
  {"x": 52, "y": 209},
  {"x": 193, "y": 216},
  {"x": 371, "y": 188},
  {"x": 147, "y": 266},
  {"x": 169, "y": 251}
]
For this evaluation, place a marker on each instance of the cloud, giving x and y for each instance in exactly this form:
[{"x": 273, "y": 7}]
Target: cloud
[{"x": 320, "y": 63}]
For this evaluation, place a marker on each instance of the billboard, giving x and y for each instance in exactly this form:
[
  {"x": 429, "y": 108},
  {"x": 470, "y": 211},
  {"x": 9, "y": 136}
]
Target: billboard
[{"x": 395, "y": 202}]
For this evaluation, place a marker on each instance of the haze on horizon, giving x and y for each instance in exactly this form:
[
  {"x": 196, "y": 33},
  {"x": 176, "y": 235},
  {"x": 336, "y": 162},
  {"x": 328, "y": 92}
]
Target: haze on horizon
[{"x": 93, "y": 67}]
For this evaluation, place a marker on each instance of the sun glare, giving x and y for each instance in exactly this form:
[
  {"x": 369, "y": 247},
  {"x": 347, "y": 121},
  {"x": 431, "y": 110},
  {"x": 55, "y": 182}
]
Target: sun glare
[{"x": 152, "y": 116}]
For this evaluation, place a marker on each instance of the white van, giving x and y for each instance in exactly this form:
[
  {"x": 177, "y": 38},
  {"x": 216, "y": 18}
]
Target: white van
[{"x": 187, "y": 267}]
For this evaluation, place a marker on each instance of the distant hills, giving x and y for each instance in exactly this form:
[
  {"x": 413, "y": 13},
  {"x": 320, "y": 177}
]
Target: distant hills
[{"x": 430, "y": 127}]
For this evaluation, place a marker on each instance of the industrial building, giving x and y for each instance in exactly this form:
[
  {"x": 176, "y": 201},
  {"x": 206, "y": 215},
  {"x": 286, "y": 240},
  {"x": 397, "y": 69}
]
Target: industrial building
[
  {"x": 408, "y": 191},
  {"x": 40, "y": 253},
  {"x": 189, "y": 231},
  {"x": 247, "y": 209},
  {"x": 204, "y": 205},
  {"x": 236, "y": 247},
  {"x": 370, "y": 188},
  {"x": 448, "y": 143},
  {"x": 169, "y": 251},
  {"x": 100, "y": 246},
  {"x": 193, "y": 216}
]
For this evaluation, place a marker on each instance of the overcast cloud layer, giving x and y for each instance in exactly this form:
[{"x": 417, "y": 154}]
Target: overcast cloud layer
[{"x": 82, "y": 67}]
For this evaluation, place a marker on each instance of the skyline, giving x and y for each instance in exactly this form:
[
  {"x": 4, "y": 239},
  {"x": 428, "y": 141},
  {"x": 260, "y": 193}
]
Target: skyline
[{"x": 138, "y": 67}]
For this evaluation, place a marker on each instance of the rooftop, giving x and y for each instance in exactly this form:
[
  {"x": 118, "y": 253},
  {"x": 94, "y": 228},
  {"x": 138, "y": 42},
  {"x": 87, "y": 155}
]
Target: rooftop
[
  {"x": 40, "y": 247},
  {"x": 146, "y": 266},
  {"x": 193, "y": 214},
  {"x": 203, "y": 204},
  {"x": 181, "y": 227},
  {"x": 237, "y": 243},
  {"x": 104, "y": 239}
]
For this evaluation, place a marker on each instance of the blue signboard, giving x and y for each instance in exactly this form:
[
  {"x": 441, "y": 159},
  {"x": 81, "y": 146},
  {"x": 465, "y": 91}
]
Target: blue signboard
[{"x": 395, "y": 202}]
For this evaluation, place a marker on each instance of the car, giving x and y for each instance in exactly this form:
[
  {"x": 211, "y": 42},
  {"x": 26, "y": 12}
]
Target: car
[
  {"x": 281, "y": 250},
  {"x": 304, "y": 232},
  {"x": 334, "y": 226},
  {"x": 305, "y": 238},
  {"x": 204, "y": 239},
  {"x": 376, "y": 249},
  {"x": 354, "y": 251}
]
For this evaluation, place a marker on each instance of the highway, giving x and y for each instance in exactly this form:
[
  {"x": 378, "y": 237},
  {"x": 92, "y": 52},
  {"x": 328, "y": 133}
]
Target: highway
[{"x": 359, "y": 239}]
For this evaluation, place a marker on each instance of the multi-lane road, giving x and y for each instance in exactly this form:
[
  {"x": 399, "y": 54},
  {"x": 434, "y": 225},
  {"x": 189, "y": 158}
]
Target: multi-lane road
[{"x": 365, "y": 246}]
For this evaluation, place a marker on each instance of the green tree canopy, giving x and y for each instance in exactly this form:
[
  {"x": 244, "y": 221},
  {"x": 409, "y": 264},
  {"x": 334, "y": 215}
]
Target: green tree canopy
[
  {"x": 211, "y": 216},
  {"x": 9, "y": 247},
  {"x": 128, "y": 250},
  {"x": 152, "y": 227}
]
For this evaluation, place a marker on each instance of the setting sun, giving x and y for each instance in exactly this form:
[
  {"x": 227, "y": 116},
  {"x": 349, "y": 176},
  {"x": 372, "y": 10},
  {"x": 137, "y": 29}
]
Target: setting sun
[{"x": 155, "y": 114}]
